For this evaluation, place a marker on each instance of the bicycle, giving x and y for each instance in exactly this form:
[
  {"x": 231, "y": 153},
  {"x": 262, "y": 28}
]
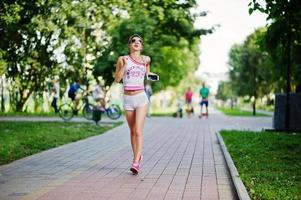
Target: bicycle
[
  {"x": 113, "y": 111},
  {"x": 67, "y": 110}
]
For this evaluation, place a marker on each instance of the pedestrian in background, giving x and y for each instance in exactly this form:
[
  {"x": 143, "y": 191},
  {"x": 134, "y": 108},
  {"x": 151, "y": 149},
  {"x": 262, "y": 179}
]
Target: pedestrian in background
[{"x": 56, "y": 93}]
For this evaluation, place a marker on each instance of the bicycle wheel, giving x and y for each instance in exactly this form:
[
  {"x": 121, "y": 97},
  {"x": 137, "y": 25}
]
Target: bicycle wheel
[
  {"x": 113, "y": 112},
  {"x": 88, "y": 111},
  {"x": 66, "y": 112}
]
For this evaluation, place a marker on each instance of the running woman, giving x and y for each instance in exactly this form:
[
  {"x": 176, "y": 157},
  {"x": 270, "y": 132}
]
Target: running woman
[{"x": 132, "y": 69}]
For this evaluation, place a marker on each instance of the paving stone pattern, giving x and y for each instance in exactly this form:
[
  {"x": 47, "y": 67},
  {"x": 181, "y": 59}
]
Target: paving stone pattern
[{"x": 182, "y": 160}]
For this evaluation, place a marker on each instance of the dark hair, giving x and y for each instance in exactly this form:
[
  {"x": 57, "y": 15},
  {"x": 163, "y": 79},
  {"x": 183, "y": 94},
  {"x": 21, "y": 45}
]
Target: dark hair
[{"x": 135, "y": 35}]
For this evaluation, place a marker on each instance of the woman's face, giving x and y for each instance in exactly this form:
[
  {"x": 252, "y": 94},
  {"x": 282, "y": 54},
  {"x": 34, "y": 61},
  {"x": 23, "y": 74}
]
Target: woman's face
[{"x": 136, "y": 44}]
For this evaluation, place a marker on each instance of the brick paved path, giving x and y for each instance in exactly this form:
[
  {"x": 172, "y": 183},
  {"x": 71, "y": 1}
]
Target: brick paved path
[{"x": 182, "y": 160}]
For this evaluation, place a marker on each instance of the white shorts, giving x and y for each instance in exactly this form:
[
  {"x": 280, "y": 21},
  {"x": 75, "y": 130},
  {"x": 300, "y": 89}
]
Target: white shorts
[{"x": 131, "y": 102}]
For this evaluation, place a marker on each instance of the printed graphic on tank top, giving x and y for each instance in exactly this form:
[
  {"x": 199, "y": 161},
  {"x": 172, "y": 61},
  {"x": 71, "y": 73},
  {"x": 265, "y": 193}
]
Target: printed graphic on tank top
[{"x": 134, "y": 72}]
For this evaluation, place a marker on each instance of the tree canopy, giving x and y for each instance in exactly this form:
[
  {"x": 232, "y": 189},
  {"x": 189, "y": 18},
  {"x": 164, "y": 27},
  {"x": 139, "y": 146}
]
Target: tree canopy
[
  {"x": 82, "y": 39},
  {"x": 284, "y": 21}
]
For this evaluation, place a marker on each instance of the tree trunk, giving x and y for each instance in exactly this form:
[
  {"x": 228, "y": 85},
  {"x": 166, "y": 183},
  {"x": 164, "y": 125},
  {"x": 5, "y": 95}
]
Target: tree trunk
[
  {"x": 2, "y": 95},
  {"x": 254, "y": 107},
  {"x": 22, "y": 101},
  {"x": 254, "y": 90}
]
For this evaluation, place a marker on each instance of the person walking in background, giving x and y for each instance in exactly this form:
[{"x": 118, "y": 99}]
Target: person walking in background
[
  {"x": 180, "y": 107},
  {"x": 188, "y": 100},
  {"x": 56, "y": 93},
  {"x": 99, "y": 96},
  {"x": 132, "y": 69},
  {"x": 149, "y": 93},
  {"x": 204, "y": 94},
  {"x": 74, "y": 95}
]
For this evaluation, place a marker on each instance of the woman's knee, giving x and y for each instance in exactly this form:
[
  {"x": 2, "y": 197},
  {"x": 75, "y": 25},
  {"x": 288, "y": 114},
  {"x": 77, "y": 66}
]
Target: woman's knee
[
  {"x": 133, "y": 132},
  {"x": 138, "y": 133}
]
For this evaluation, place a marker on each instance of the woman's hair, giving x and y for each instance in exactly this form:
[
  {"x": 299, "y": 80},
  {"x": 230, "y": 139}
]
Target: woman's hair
[{"x": 135, "y": 35}]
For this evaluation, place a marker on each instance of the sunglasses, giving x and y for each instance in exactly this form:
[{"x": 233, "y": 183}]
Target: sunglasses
[{"x": 134, "y": 40}]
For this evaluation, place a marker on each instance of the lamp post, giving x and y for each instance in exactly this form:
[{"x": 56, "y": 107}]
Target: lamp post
[
  {"x": 2, "y": 94},
  {"x": 288, "y": 69}
]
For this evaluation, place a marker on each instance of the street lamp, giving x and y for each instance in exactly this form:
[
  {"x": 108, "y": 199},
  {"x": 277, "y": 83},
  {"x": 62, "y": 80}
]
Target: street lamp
[
  {"x": 2, "y": 94},
  {"x": 288, "y": 69}
]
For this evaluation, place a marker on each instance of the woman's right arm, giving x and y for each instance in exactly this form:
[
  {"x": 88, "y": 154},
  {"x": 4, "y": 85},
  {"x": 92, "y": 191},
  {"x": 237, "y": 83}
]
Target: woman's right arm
[{"x": 119, "y": 69}]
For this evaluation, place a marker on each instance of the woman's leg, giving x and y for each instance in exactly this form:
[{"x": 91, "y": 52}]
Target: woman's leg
[
  {"x": 139, "y": 124},
  {"x": 130, "y": 117}
]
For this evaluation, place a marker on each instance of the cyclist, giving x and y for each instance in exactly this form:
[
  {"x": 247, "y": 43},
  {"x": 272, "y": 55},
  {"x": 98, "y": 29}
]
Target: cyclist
[{"x": 74, "y": 95}]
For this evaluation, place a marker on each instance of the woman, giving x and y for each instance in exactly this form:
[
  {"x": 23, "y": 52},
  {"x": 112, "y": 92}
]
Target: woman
[{"x": 132, "y": 69}]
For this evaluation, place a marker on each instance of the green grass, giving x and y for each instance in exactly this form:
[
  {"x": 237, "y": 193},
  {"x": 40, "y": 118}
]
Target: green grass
[
  {"x": 267, "y": 108},
  {"x": 25, "y": 114},
  {"x": 20, "y": 139},
  {"x": 268, "y": 163},
  {"x": 238, "y": 112},
  {"x": 161, "y": 114}
]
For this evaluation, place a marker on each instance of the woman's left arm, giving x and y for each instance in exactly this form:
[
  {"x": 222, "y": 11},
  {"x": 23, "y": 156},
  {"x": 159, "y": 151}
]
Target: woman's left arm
[{"x": 148, "y": 61}]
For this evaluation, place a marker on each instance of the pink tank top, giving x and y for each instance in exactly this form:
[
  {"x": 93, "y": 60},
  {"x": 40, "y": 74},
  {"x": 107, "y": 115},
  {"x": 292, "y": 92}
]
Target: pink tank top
[{"x": 134, "y": 72}]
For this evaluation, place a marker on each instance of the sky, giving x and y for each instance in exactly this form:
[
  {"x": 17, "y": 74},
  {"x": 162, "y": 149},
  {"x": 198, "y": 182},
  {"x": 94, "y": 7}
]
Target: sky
[{"x": 235, "y": 25}]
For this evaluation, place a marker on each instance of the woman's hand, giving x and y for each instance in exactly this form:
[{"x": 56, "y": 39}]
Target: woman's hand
[
  {"x": 119, "y": 69},
  {"x": 147, "y": 61}
]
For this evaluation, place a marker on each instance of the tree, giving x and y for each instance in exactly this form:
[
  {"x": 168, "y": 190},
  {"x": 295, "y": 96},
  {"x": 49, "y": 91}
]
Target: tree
[
  {"x": 225, "y": 92},
  {"x": 72, "y": 39},
  {"x": 250, "y": 68},
  {"x": 283, "y": 40},
  {"x": 42, "y": 38},
  {"x": 25, "y": 45},
  {"x": 170, "y": 37}
]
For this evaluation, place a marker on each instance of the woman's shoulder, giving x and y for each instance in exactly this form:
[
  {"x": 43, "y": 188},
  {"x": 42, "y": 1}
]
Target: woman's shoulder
[
  {"x": 146, "y": 58},
  {"x": 123, "y": 58}
]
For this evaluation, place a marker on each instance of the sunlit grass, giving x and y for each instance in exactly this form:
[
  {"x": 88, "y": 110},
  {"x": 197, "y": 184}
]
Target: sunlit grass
[
  {"x": 268, "y": 163},
  {"x": 20, "y": 139},
  {"x": 238, "y": 112}
]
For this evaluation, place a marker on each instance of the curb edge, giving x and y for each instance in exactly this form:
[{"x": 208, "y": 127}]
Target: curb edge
[{"x": 238, "y": 184}]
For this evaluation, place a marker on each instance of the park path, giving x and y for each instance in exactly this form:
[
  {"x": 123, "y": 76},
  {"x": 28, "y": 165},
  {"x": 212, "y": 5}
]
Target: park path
[{"x": 182, "y": 160}]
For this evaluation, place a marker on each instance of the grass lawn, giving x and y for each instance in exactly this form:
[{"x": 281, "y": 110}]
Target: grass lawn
[
  {"x": 238, "y": 112},
  {"x": 21, "y": 139},
  {"x": 267, "y": 108},
  {"x": 269, "y": 164},
  {"x": 25, "y": 114},
  {"x": 161, "y": 114}
]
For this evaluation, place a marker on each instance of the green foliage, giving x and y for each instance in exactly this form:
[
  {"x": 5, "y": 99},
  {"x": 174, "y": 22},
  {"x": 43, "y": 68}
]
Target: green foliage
[
  {"x": 251, "y": 67},
  {"x": 283, "y": 32},
  {"x": 170, "y": 40},
  {"x": 41, "y": 39},
  {"x": 268, "y": 163},
  {"x": 3, "y": 64},
  {"x": 238, "y": 112},
  {"x": 82, "y": 39},
  {"x": 225, "y": 91}
]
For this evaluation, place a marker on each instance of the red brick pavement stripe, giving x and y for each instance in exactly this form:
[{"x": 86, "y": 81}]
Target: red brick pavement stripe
[{"x": 178, "y": 164}]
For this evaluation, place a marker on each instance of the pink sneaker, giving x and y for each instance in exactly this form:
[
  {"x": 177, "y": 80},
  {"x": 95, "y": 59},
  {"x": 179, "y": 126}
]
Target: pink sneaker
[
  {"x": 135, "y": 168},
  {"x": 140, "y": 159}
]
